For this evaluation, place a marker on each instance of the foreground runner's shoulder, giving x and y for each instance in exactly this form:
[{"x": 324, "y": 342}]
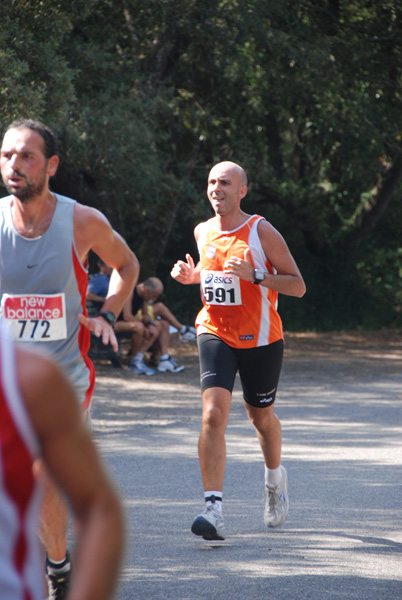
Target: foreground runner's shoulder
[
  {"x": 87, "y": 215},
  {"x": 93, "y": 231}
]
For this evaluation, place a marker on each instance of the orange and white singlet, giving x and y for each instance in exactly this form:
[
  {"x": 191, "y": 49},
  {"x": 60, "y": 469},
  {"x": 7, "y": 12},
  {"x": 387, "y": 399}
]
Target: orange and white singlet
[
  {"x": 242, "y": 314},
  {"x": 21, "y": 559}
]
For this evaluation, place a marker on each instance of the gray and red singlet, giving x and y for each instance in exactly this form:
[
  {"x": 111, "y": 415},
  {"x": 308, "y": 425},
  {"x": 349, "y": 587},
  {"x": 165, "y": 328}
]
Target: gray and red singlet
[
  {"x": 21, "y": 576},
  {"x": 43, "y": 289}
]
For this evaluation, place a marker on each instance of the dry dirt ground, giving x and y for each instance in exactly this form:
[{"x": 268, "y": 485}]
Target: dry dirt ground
[{"x": 328, "y": 351}]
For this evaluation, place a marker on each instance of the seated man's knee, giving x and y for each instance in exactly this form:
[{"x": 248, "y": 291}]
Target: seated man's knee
[
  {"x": 164, "y": 325},
  {"x": 139, "y": 328},
  {"x": 154, "y": 331},
  {"x": 158, "y": 307}
]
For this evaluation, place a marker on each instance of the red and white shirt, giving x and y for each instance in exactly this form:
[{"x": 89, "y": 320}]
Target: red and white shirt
[{"x": 21, "y": 559}]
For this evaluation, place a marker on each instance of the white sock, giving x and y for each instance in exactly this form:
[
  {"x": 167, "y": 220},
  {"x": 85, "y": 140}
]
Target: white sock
[
  {"x": 273, "y": 476},
  {"x": 139, "y": 356},
  {"x": 58, "y": 567},
  {"x": 164, "y": 357},
  {"x": 217, "y": 499},
  {"x": 183, "y": 329}
]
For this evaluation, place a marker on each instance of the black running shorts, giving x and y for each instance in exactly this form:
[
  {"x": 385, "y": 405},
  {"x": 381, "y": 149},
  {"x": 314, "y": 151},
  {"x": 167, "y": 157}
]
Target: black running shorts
[{"x": 259, "y": 368}]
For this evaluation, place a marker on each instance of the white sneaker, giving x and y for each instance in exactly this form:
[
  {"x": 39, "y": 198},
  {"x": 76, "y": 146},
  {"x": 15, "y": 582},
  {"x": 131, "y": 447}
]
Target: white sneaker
[
  {"x": 276, "y": 502},
  {"x": 170, "y": 365},
  {"x": 188, "y": 335},
  {"x": 139, "y": 368},
  {"x": 209, "y": 524}
]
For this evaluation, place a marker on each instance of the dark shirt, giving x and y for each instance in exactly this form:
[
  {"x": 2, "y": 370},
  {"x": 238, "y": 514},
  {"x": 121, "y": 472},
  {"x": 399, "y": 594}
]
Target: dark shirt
[
  {"x": 136, "y": 305},
  {"x": 137, "y": 302}
]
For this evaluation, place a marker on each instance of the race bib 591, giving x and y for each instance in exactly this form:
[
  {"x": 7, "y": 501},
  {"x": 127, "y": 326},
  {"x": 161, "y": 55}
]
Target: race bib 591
[
  {"x": 35, "y": 317},
  {"x": 220, "y": 288}
]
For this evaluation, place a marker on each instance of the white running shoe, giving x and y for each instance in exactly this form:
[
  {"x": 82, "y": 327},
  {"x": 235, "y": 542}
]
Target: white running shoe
[
  {"x": 276, "y": 502},
  {"x": 209, "y": 524},
  {"x": 188, "y": 335},
  {"x": 170, "y": 365},
  {"x": 140, "y": 368}
]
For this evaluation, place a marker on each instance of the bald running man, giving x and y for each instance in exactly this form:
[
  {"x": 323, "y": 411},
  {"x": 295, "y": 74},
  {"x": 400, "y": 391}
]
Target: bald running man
[{"x": 244, "y": 264}]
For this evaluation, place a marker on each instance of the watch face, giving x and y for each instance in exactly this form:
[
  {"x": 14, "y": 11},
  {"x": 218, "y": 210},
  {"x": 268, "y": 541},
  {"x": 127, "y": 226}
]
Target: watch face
[
  {"x": 258, "y": 276},
  {"x": 111, "y": 317},
  {"x": 108, "y": 316}
]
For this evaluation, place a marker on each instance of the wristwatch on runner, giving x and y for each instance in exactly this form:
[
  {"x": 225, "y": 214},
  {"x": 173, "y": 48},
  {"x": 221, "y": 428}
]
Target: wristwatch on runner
[
  {"x": 258, "y": 276},
  {"x": 108, "y": 316}
]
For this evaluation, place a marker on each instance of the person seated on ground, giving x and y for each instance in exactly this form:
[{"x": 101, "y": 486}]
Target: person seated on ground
[
  {"x": 98, "y": 285},
  {"x": 142, "y": 337},
  {"x": 159, "y": 310},
  {"x": 142, "y": 305}
]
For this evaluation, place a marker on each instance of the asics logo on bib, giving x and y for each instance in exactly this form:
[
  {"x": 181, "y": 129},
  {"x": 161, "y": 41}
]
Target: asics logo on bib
[{"x": 218, "y": 279}]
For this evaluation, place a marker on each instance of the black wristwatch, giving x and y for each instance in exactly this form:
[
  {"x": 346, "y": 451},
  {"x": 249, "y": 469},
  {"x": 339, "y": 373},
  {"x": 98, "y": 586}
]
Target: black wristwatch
[
  {"x": 108, "y": 316},
  {"x": 258, "y": 276}
]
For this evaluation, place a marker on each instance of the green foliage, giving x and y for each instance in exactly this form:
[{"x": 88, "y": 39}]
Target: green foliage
[
  {"x": 35, "y": 75},
  {"x": 306, "y": 95}
]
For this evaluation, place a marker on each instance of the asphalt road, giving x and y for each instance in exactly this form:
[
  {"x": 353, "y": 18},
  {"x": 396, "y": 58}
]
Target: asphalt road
[{"x": 340, "y": 408}]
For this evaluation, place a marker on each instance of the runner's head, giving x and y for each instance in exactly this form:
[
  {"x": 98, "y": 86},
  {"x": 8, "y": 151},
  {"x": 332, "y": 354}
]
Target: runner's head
[
  {"x": 51, "y": 147},
  {"x": 227, "y": 185},
  {"x": 28, "y": 159}
]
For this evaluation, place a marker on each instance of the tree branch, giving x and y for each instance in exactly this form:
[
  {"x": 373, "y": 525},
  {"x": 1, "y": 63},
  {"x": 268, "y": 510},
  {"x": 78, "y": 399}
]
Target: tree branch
[
  {"x": 372, "y": 211},
  {"x": 315, "y": 241}
]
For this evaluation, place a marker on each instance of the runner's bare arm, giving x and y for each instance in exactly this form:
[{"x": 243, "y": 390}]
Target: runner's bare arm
[
  {"x": 288, "y": 279},
  {"x": 92, "y": 231},
  {"x": 71, "y": 457}
]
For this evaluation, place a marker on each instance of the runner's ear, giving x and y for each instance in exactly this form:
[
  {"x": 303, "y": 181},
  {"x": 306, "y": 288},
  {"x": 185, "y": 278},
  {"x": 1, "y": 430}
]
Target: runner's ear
[{"x": 52, "y": 164}]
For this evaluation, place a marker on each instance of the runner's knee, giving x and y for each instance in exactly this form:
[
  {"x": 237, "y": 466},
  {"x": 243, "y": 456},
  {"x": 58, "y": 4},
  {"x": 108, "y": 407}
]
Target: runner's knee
[
  {"x": 214, "y": 417},
  {"x": 216, "y": 407},
  {"x": 261, "y": 418}
]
